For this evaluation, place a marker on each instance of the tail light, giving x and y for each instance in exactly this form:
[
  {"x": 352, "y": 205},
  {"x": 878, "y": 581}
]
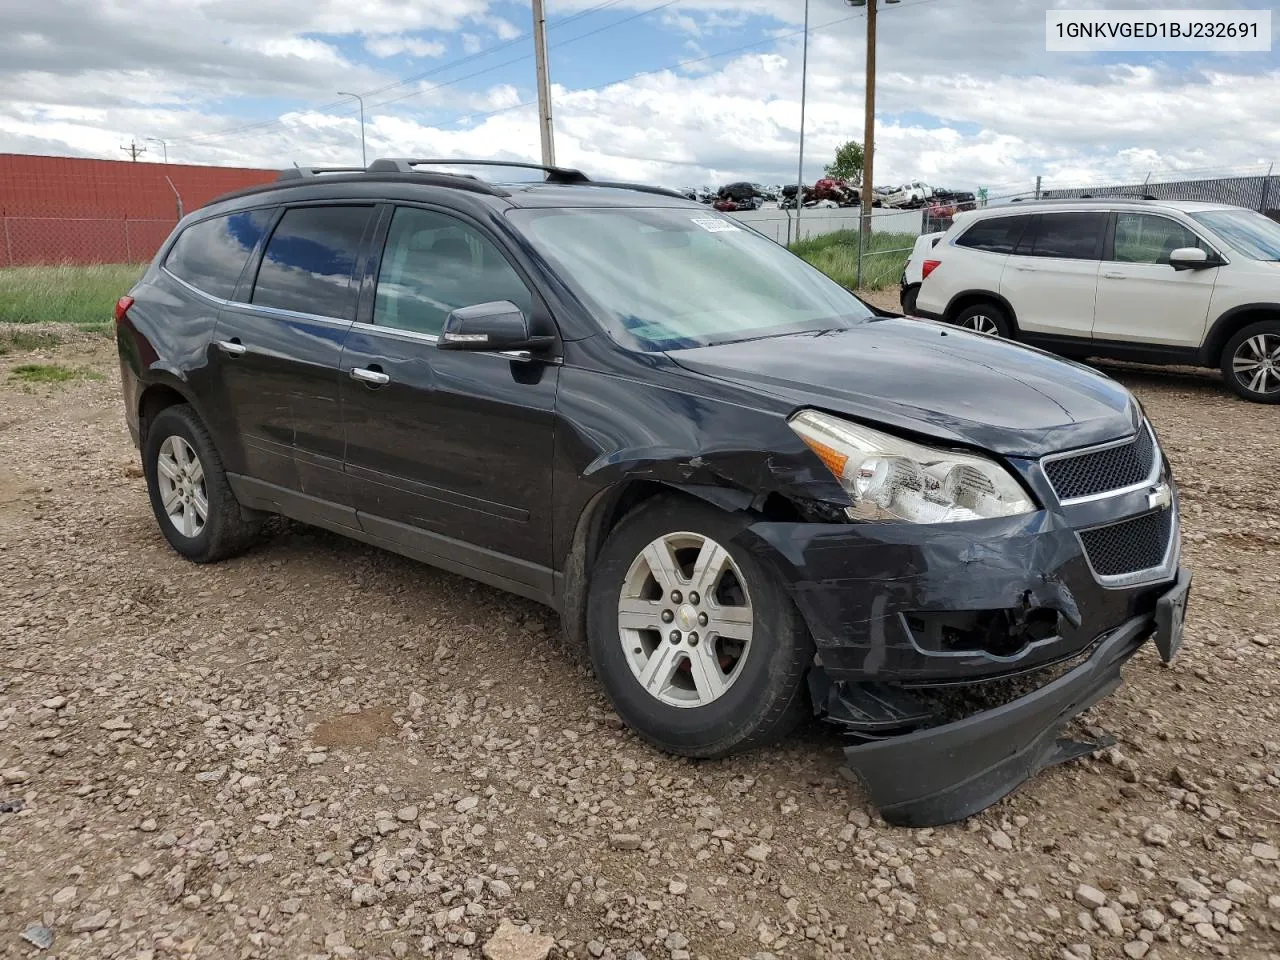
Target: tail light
[
  {"x": 122, "y": 307},
  {"x": 925, "y": 270}
]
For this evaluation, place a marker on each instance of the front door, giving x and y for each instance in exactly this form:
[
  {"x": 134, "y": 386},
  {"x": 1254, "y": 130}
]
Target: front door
[
  {"x": 1051, "y": 277},
  {"x": 448, "y": 452},
  {"x": 1141, "y": 298},
  {"x": 278, "y": 346}
]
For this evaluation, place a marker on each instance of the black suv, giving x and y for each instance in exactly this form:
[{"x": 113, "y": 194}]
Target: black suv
[{"x": 747, "y": 494}]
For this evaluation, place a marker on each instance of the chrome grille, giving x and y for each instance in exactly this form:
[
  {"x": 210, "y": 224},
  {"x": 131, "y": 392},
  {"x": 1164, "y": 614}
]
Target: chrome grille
[
  {"x": 1105, "y": 469},
  {"x": 1129, "y": 546}
]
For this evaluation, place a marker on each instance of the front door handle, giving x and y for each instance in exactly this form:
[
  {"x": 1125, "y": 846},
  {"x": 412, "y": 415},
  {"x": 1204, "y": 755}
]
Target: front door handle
[
  {"x": 1114, "y": 276},
  {"x": 1025, "y": 269},
  {"x": 369, "y": 375},
  {"x": 233, "y": 347}
]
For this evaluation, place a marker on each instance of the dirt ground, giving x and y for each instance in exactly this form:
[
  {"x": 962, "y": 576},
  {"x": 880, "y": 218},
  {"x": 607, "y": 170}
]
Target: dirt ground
[{"x": 323, "y": 750}]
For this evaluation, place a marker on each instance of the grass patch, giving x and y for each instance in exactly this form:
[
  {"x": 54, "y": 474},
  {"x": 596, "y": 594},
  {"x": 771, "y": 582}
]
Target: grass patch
[
  {"x": 50, "y": 373},
  {"x": 84, "y": 296},
  {"x": 836, "y": 255},
  {"x": 12, "y": 340}
]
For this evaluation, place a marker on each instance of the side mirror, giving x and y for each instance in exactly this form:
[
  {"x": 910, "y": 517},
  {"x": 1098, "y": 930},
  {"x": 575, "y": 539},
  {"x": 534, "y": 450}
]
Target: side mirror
[
  {"x": 497, "y": 325},
  {"x": 1192, "y": 258}
]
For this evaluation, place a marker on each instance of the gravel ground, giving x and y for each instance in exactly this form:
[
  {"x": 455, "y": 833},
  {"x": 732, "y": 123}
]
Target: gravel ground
[{"x": 324, "y": 750}]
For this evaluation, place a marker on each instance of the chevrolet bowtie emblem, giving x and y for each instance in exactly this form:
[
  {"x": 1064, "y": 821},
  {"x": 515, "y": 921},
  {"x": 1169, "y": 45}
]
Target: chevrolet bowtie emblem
[{"x": 1160, "y": 498}]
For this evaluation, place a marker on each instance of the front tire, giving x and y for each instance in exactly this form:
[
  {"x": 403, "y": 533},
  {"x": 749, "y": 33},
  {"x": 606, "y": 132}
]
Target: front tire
[
  {"x": 1251, "y": 362},
  {"x": 985, "y": 318},
  {"x": 194, "y": 505},
  {"x": 696, "y": 643}
]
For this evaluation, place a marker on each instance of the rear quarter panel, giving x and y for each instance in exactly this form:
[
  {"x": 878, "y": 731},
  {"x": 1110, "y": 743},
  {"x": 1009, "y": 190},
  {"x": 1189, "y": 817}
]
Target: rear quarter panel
[{"x": 164, "y": 339}]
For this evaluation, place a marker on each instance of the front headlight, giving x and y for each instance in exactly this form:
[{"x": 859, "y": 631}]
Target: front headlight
[{"x": 889, "y": 478}]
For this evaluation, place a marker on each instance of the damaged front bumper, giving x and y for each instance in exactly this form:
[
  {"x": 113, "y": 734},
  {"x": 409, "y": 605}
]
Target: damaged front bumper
[
  {"x": 945, "y": 773},
  {"x": 920, "y": 629}
]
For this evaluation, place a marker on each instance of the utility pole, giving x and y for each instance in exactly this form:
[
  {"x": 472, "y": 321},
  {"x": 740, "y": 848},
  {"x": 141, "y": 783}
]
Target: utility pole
[
  {"x": 867, "y": 196},
  {"x": 364, "y": 159},
  {"x": 133, "y": 150},
  {"x": 1037, "y": 186},
  {"x": 804, "y": 86},
  {"x": 544, "y": 84}
]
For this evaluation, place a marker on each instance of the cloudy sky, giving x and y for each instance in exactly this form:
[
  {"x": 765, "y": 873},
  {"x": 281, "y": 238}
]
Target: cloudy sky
[{"x": 682, "y": 92}]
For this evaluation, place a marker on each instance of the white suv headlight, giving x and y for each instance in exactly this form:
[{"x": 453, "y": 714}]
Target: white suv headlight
[{"x": 889, "y": 478}]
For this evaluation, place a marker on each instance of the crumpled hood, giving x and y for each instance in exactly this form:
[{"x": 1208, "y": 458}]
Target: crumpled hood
[{"x": 932, "y": 379}]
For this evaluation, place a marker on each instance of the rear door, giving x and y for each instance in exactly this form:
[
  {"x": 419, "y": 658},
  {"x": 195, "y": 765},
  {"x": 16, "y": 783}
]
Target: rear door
[
  {"x": 1051, "y": 278},
  {"x": 1141, "y": 298},
  {"x": 277, "y": 349},
  {"x": 449, "y": 452},
  {"x": 202, "y": 272}
]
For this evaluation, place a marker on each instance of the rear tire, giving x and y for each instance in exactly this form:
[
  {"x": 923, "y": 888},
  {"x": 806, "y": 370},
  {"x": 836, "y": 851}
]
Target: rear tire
[
  {"x": 909, "y": 299},
  {"x": 988, "y": 318},
  {"x": 749, "y": 689},
  {"x": 1251, "y": 362},
  {"x": 194, "y": 505}
]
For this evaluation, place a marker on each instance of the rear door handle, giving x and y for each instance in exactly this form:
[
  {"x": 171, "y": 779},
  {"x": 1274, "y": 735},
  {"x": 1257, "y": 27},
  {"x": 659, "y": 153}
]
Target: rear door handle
[
  {"x": 1025, "y": 269},
  {"x": 232, "y": 347},
  {"x": 1114, "y": 276},
  {"x": 369, "y": 375}
]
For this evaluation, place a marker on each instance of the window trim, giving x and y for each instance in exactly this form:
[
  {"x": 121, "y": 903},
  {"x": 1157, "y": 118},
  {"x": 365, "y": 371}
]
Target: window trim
[
  {"x": 1109, "y": 252},
  {"x": 244, "y": 292},
  {"x": 1099, "y": 245}
]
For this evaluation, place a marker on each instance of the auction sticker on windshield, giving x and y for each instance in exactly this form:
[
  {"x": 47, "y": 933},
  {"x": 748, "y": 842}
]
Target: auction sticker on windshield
[{"x": 714, "y": 224}]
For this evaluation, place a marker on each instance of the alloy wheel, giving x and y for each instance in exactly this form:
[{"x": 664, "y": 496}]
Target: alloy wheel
[
  {"x": 981, "y": 323},
  {"x": 180, "y": 476},
  {"x": 685, "y": 619},
  {"x": 1256, "y": 363}
]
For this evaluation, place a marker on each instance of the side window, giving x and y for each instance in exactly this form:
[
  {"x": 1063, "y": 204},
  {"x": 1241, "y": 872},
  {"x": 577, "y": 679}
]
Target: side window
[
  {"x": 995, "y": 234},
  {"x": 210, "y": 254},
  {"x": 434, "y": 264},
  {"x": 1143, "y": 238},
  {"x": 309, "y": 259},
  {"x": 1065, "y": 236}
]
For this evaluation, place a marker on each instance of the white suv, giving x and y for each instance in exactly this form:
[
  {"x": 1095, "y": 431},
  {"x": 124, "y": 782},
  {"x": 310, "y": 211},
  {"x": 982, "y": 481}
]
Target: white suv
[{"x": 1154, "y": 281}]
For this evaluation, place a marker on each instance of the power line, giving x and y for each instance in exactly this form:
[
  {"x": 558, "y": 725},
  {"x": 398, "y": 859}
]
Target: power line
[
  {"x": 210, "y": 138},
  {"x": 412, "y": 78}
]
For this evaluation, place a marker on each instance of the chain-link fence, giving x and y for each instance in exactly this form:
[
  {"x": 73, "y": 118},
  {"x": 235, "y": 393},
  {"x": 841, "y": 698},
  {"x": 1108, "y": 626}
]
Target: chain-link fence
[
  {"x": 1259, "y": 192},
  {"x": 32, "y": 241}
]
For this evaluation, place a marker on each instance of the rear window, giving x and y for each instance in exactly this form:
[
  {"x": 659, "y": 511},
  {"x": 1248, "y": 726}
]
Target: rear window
[
  {"x": 309, "y": 260},
  {"x": 210, "y": 254},
  {"x": 1065, "y": 236},
  {"x": 995, "y": 234}
]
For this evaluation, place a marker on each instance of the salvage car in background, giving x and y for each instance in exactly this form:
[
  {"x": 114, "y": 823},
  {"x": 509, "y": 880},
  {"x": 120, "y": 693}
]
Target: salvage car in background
[
  {"x": 747, "y": 495},
  {"x": 1151, "y": 281}
]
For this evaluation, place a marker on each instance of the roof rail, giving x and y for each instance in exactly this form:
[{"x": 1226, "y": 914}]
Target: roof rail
[
  {"x": 302, "y": 173},
  {"x": 642, "y": 187},
  {"x": 406, "y": 165}
]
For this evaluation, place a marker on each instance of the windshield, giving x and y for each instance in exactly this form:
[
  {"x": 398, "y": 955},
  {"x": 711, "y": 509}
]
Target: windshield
[
  {"x": 674, "y": 278},
  {"x": 1246, "y": 232}
]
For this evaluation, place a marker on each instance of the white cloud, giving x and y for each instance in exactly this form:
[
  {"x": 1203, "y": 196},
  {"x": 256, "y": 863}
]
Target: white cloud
[
  {"x": 963, "y": 99},
  {"x": 390, "y": 45}
]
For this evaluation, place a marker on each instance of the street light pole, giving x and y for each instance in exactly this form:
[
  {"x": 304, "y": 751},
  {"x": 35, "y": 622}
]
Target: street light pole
[
  {"x": 164, "y": 146},
  {"x": 804, "y": 89},
  {"x": 364, "y": 158},
  {"x": 545, "y": 127}
]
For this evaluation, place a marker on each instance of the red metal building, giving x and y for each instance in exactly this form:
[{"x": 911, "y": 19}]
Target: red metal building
[{"x": 76, "y": 210}]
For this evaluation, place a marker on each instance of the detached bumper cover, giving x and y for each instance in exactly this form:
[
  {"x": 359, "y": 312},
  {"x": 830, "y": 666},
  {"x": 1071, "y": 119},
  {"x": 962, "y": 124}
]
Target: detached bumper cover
[{"x": 946, "y": 773}]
